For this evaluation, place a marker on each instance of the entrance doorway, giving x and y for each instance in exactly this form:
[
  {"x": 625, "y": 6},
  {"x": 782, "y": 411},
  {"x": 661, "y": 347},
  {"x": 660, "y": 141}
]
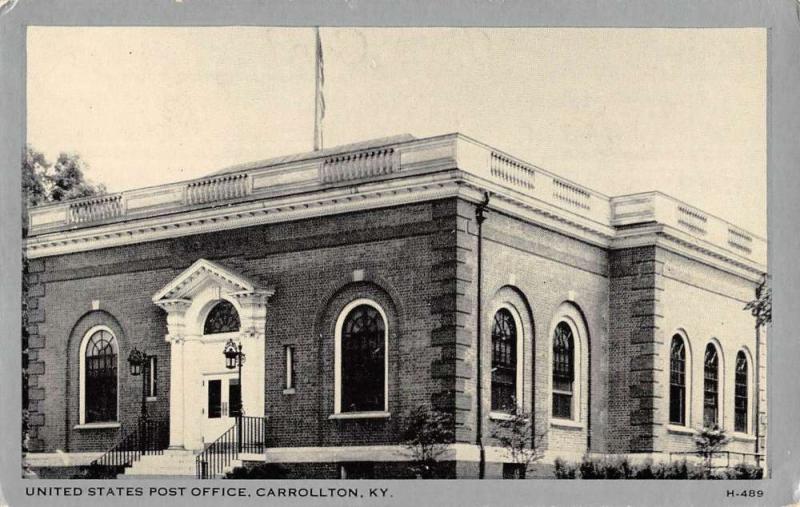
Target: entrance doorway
[{"x": 223, "y": 401}]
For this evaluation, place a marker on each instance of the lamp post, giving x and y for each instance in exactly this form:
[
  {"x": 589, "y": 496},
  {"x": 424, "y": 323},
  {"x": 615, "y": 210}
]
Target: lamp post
[
  {"x": 234, "y": 358},
  {"x": 137, "y": 360}
]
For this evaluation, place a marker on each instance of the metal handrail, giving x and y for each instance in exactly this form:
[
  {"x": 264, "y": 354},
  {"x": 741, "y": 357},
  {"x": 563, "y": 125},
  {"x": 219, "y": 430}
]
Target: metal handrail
[
  {"x": 210, "y": 463},
  {"x": 147, "y": 438}
]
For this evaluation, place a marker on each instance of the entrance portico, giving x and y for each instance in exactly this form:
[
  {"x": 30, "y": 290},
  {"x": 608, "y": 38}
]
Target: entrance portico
[{"x": 201, "y": 387}]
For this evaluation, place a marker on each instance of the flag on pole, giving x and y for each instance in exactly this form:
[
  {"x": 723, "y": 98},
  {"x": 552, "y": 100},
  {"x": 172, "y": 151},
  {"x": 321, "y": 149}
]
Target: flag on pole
[{"x": 319, "y": 106}]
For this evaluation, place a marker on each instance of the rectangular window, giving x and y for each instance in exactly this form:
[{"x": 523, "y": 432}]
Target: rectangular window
[
  {"x": 214, "y": 399},
  {"x": 676, "y": 409},
  {"x": 289, "y": 353},
  {"x": 740, "y": 402},
  {"x": 710, "y": 400},
  {"x": 151, "y": 376},
  {"x": 562, "y": 405}
]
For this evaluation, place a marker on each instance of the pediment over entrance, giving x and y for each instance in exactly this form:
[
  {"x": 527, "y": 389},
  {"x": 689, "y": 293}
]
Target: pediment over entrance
[
  {"x": 190, "y": 295},
  {"x": 196, "y": 357},
  {"x": 200, "y": 275}
]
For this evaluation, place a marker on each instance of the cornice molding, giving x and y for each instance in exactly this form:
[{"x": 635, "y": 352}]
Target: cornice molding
[{"x": 448, "y": 182}]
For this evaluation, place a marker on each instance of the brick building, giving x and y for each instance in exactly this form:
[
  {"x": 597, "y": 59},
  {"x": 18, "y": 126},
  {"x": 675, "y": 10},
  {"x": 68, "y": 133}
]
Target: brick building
[{"x": 355, "y": 279}]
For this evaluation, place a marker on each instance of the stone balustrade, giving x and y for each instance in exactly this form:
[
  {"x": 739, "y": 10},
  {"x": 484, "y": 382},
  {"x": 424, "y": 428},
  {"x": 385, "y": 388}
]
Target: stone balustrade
[
  {"x": 655, "y": 207},
  {"x": 362, "y": 164},
  {"x": 220, "y": 188},
  {"x": 571, "y": 194},
  {"x": 510, "y": 178},
  {"x": 95, "y": 209},
  {"x": 512, "y": 171}
]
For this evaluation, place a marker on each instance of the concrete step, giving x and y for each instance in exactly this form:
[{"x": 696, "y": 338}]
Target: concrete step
[{"x": 169, "y": 464}]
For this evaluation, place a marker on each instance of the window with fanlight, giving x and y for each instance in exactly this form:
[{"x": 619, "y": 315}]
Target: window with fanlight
[
  {"x": 677, "y": 381},
  {"x": 505, "y": 341},
  {"x": 741, "y": 395},
  {"x": 361, "y": 359},
  {"x": 99, "y": 368},
  {"x": 563, "y": 371},
  {"x": 223, "y": 318},
  {"x": 711, "y": 386}
]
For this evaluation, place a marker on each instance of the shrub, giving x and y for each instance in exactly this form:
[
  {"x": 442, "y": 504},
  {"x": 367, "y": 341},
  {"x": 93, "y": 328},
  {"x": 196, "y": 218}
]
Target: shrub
[
  {"x": 646, "y": 470},
  {"x": 259, "y": 471},
  {"x": 517, "y": 435},
  {"x": 744, "y": 471},
  {"x": 427, "y": 435},
  {"x": 564, "y": 470},
  {"x": 589, "y": 469},
  {"x": 708, "y": 441}
]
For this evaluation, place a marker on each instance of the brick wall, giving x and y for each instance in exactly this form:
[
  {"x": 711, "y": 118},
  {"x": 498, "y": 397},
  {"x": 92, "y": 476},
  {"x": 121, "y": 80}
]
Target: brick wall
[
  {"x": 310, "y": 264},
  {"x": 419, "y": 262}
]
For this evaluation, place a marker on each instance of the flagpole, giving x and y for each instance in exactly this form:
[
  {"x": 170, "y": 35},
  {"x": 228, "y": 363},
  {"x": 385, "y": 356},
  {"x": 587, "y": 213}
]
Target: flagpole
[{"x": 319, "y": 107}]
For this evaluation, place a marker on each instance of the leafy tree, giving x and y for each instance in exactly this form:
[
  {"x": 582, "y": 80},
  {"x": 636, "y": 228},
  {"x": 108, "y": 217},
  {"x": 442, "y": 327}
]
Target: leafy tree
[
  {"x": 427, "y": 435},
  {"x": 67, "y": 180},
  {"x": 43, "y": 182},
  {"x": 761, "y": 306},
  {"x": 517, "y": 435}
]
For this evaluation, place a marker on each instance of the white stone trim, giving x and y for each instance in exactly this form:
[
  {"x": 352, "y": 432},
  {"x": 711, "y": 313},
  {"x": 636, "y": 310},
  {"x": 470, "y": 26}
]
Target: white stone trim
[
  {"x": 567, "y": 312},
  {"x": 187, "y": 299},
  {"x": 82, "y": 374},
  {"x": 721, "y": 383},
  {"x": 688, "y": 374},
  {"x": 375, "y": 414},
  {"x": 198, "y": 272},
  {"x": 97, "y": 426},
  {"x": 59, "y": 459},
  {"x": 520, "y": 366},
  {"x": 749, "y": 422},
  {"x": 681, "y": 430},
  {"x": 337, "y": 361}
]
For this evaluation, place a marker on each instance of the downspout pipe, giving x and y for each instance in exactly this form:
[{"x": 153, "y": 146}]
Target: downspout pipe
[{"x": 480, "y": 216}]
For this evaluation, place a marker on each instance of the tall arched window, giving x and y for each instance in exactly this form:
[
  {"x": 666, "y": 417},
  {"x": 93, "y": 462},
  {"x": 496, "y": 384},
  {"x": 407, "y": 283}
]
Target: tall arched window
[
  {"x": 223, "y": 318},
  {"x": 740, "y": 401},
  {"x": 504, "y": 362},
  {"x": 100, "y": 377},
  {"x": 361, "y": 358},
  {"x": 563, "y": 371},
  {"x": 677, "y": 381},
  {"x": 710, "y": 386}
]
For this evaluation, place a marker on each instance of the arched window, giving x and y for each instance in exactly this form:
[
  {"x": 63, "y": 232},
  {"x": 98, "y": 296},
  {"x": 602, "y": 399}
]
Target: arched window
[
  {"x": 677, "y": 381},
  {"x": 100, "y": 376},
  {"x": 740, "y": 401},
  {"x": 223, "y": 318},
  {"x": 563, "y": 371},
  {"x": 710, "y": 386},
  {"x": 361, "y": 358},
  {"x": 504, "y": 362}
]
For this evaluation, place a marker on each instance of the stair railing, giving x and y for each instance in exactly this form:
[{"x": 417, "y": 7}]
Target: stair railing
[
  {"x": 247, "y": 435},
  {"x": 146, "y": 438}
]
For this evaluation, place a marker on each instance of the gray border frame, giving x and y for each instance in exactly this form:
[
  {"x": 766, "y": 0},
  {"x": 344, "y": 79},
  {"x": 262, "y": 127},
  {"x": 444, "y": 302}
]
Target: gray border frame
[{"x": 781, "y": 17}]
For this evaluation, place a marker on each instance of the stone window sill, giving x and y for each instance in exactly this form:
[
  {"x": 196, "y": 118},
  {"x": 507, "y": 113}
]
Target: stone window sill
[
  {"x": 361, "y": 415},
  {"x": 500, "y": 416},
  {"x": 743, "y": 437},
  {"x": 97, "y": 426},
  {"x": 151, "y": 398},
  {"x": 289, "y": 390},
  {"x": 566, "y": 423},
  {"x": 681, "y": 430}
]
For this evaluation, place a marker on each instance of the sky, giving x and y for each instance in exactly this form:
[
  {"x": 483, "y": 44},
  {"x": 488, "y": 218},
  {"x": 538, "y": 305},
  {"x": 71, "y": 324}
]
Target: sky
[{"x": 682, "y": 111}]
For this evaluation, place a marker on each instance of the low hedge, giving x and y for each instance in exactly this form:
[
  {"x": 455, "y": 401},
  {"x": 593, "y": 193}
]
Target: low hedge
[{"x": 621, "y": 468}]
